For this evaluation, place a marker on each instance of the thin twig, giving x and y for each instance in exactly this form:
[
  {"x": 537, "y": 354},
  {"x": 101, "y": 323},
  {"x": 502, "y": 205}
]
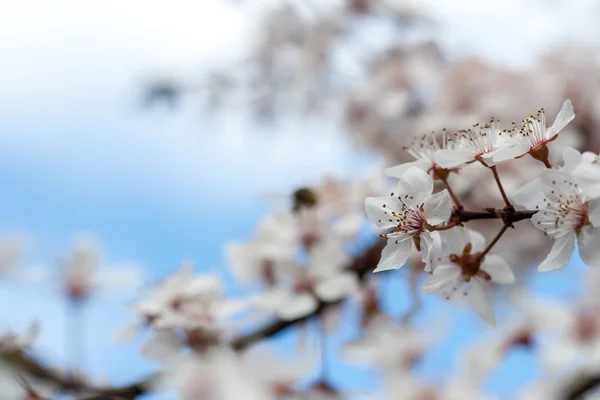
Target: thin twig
[{"x": 499, "y": 183}]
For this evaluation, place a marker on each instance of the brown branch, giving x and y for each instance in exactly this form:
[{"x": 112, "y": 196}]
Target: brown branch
[
  {"x": 361, "y": 266},
  {"x": 580, "y": 386}
]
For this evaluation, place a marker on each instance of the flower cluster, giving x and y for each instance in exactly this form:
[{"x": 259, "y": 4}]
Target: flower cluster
[{"x": 562, "y": 203}]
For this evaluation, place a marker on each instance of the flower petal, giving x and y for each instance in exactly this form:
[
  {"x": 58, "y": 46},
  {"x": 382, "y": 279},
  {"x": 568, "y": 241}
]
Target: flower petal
[
  {"x": 394, "y": 255},
  {"x": 594, "y": 212},
  {"x": 560, "y": 254},
  {"x": 565, "y": 115},
  {"x": 498, "y": 269},
  {"x": 445, "y": 279},
  {"x": 509, "y": 151},
  {"x": 453, "y": 158},
  {"x": 571, "y": 159},
  {"x": 399, "y": 170},
  {"x": 453, "y": 240},
  {"x": 338, "y": 287},
  {"x": 479, "y": 299},
  {"x": 426, "y": 246},
  {"x": 438, "y": 207},
  {"x": 529, "y": 195},
  {"x": 377, "y": 213},
  {"x": 588, "y": 177},
  {"x": 163, "y": 345},
  {"x": 476, "y": 239},
  {"x": 299, "y": 305},
  {"x": 589, "y": 249},
  {"x": 417, "y": 184}
]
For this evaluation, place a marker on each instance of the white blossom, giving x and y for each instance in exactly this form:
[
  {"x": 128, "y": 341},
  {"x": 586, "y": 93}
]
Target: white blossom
[
  {"x": 565, "y": 214},
  {"x": 461, "y": 269},
  {"x": 423, "y": 150},
  {"x": 533, "y": 135},
  {"x": 406, "y": 215},
  {"x": 269, "y": 254},
  {"x": 188, "y": 301},
  {"x": 478, "y": 143},
  {"x": 325, "y": 278}
]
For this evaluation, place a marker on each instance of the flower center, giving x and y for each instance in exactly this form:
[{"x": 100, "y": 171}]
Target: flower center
[{"x": 411, "y": 222}]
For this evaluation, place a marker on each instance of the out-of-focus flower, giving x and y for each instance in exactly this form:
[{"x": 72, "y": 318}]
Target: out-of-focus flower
[
  {"x": 193, "y": 303},
  {"x": 534, "y": 136},
  {"x": 270, "y": 254},
  {"x": 462, "y": 264},
  {"x": 388, "y": 346},
  {"x": 11, "y": 249},
  {"x": 221, "y": 374},
  {"x": 83, "y": 272},
  {"x": 324, "y": 279},
  {"x": 407, "y": 213},
  {"x": 566, "y": 213},
  {"x": 11, "y": 342}
]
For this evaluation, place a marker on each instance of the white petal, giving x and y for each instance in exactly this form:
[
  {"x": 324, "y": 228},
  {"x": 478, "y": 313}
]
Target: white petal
[
  {"x": 348, "y": 225},
  {"x": 594, "y": 212},
  {"x": 399, "y": 170},
  {"x": 454, "y": 240},
  {"x": 298, "y": 306},
  {"x": 510, "y": 151},
  {"x": 588, "y": 177},
  {"x": 417, "y": 184},
  {"x": 479, "y": 299},
  {"x": 558, "y": 181},
  {"x": 426, "y": 246},
  {"x": 560, "y": 254},
  {"x": 565, "y": 115},
  {"x": 394, "y": 255},
  {"x": 529, "y": 195},
  {"x": 445, "y": 279},
  {"x": 498, "y": 269},
  {"x": 589, "y": 246},
  {"x": 453, "y": 158},
  {"x": 438, "y": 207},
  {"x": 162, "y": 346},
  {"x": 377, "y": 213},
  {"x": 571, "y": 159},
  {"x": 476, "y": 239},
  {"x": 127, "y": 333},
  {"x": 337, "y": 287}
]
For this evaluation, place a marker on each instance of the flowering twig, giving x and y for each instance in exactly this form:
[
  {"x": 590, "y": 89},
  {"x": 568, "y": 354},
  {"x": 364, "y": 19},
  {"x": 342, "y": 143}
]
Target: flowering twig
[{"x": 361, "y": 265}]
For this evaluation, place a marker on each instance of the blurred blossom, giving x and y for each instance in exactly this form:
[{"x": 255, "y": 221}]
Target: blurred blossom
[{"x": 84, "y": 273}]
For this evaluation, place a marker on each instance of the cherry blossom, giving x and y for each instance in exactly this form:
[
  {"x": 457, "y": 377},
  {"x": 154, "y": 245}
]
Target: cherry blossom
[
  {"x": 566, "y": 214},
  {"x": 324, "y": 279},
  {"x": 533, "y": 137},
  {"x": 269, "y": 254},
  {"x": 406, "y": 215},
  {"x": 423, "y": 150},
  {"x": 478, "y": 143},
  {"x": 463, "y": 268},
  {"x": 184, "y": 300}
]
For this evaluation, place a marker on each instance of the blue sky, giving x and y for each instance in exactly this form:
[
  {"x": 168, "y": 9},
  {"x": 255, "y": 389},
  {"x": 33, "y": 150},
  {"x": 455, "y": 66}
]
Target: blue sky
[{"x": 77, "y": 154}]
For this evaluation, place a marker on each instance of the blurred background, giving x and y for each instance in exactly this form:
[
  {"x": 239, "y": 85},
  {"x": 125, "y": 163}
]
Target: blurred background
[{"x": 164, "y": 130}]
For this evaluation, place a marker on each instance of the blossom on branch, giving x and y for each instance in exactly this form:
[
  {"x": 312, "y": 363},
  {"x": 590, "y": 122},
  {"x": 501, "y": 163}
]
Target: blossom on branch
[
  {"x": 424, "y": 149},
  {"x": 534, "y": 136},
  {"x": 567, "y": 213},
  {"x": 463, "y": 268},
  {"x": 406, "y": 215},
  {"x": 478, "y": 143}
]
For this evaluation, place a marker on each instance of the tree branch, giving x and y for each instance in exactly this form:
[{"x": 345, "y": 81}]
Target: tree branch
[{"x": 361, "y": 265}]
